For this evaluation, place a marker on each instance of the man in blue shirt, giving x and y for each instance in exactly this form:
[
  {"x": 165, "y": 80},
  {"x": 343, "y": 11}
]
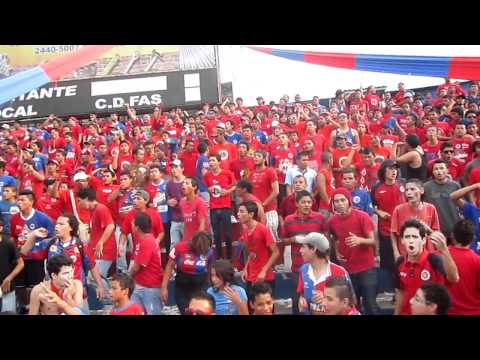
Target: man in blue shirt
[
  {"x": 8, "y": 206},
  {"x": 361, "y": 199},
  {"x": 470, "y": 212},
  {"x": 40, "y": 160},
  {"x": 202, "y": 169},
  {"x": 5, "y": 179}
]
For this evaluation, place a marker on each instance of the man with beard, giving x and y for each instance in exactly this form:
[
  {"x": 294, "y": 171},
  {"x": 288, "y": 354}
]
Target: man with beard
[{"x": 437, "y": 193}]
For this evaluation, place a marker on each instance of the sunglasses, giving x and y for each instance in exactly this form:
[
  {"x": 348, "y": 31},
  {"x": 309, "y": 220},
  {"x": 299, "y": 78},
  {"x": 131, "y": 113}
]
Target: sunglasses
[{"x": 189, "y": 311}]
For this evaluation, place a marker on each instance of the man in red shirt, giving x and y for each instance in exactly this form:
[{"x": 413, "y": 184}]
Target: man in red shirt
[
  {"x": 147, "y": 267},
  {"x": 265, "y": 187},
  {"x": 302, "y": 222},
  {"x": 447, "y": 154},
  {"x": 189, "y": 159},
  {"x": 415, "y": 208},
  {"x": 31, "y": 179},
  {"x": 140, "y": 201},
  {"x": 220, "y": 183},
  {"x": 49, "y": 202},
  {"x": 366, "y": 169},
  {"x": 121, "y": 290},
  {"x": 419, "y": 265},
  {"x": 340, "y": 155},
  {"x": 104, "y": 187},
  {"x": 353, "y": 233},
  {"x": 282, "y": 158},
  {"x": 244, "y": 165},
  {"x": 432, "y": 146},
  {"x": 194, "y": 209},
  {"x": 227, "y": 151},
  {"x": 262, "y": 249},
  {"x": 102, "y": 237},
  {"x": 386, "y": 195},
  {"x": 466, "y": 292}
]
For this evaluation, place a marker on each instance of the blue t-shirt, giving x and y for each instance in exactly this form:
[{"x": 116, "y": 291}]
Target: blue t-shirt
[
  {"x": 362, "y": 201},
  {"x": 260, "y": 135},
  {"x": 472, "y": 213},
  {"x": 234, "y": 138},
  {"x": 223, "y": 305},
  {"x": 6, "y": 180},
  {"x": 7, "y": 209},
  {"x": 40, "y": 161},
  {"x": 202, "y": 163}
]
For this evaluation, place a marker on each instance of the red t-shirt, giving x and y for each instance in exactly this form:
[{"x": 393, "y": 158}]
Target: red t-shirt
[
  {"x": 258, "y": 241},
  {"x": 242, "y": 168},
  {"x": 64, "y": 196},
  {"x": 426, "y": 213},
  {"x": 462, "y": 148},
  {"x": 262, "y": 181},
  {"x": 188, "y": 262},
  {"x": 189, "y": 161},
  {"x": 373, "y": 101},
  {"x": 367, "y": 175},
  {"x": 223, "y": 180},
  {"x": 465, "y": 293},
  {"x": 30, "y": 182},
  {"x": 409, "y": 276},
  {"x": 283, "y": 160},
  {"x": 147, "y": 255},
  {"x": 227, "y": 151},
  {"x": 339, "y": 156},
  {"x": 50, "y": 206},
  {"x": 103, "y": 192},
  {"x": 329, "y": 187},
  {"x": 358, "y": 258},
  {"x": 123, "y": 162},
  {"x": 386, "y": 198},
  {"x": 130, "y": 309},
  {"x": 127, "y": 224},
  {"x": 193, "y": 212},
  {"x": 100, "y": 219},
  {"x": 431, "y": 151}
]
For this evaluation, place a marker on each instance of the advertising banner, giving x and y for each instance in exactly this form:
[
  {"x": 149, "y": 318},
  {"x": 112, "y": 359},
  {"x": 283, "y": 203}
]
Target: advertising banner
[{"x": 110, "y": 94}]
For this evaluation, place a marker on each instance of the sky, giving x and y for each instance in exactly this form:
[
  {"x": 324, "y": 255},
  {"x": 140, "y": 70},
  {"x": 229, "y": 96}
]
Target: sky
[{"x": 253, "y": 73}]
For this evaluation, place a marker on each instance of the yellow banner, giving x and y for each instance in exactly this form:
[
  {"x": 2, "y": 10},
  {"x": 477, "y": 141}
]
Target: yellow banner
[{"x": 19, "y": 56}]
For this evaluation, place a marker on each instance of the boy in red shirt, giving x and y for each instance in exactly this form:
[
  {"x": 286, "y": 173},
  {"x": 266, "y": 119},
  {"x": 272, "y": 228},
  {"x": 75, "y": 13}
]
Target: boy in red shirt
[
  {"x": 194, "y": 209},
  {"x": 121, "y": 290},
  {"x": 265, "y": 187},
  {"x": 352, "y": 231},
  {"x": 102, "y": 228},
  {"x": 147, "y": 267},
  {"x": 262, "y": 249},
  {"x": 220, "y": 183}
]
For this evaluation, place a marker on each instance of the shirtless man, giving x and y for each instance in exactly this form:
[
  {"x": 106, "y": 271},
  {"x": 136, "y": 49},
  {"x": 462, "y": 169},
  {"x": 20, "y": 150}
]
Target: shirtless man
[{"x": 60, "y": 295}]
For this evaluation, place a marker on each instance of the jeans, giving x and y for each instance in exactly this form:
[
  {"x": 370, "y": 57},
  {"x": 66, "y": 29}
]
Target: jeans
[
  {"x": 295, "y": 295},
  {"x": 222, "y": 224},
  {"x": 103, "y": 267},
  {"x": 176, "y": 233},
  {"x": 8, "y": 302},
  {"x": 149, "y": 298},
  {"x": 365, "y": 287},
  {"x": 387, "y": 262},
  {"x": 122, "y": 258}
]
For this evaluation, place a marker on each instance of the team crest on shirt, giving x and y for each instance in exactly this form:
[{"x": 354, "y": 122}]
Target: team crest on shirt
[
  {"x": 223, "y": 154},
  {"x": 53, "y": 248},
  {"x": 356, "y": 199},
  {"x": 74, "y": 258},
  {"x": 402, "y": 189},
  {"x": 425, "y": 275},
  {"x": 14, "y": 210},
  {"x": 32, "y": 226}
]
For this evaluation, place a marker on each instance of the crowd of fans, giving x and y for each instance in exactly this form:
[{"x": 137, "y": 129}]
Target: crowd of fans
[{"x": 374, "y": 194}]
